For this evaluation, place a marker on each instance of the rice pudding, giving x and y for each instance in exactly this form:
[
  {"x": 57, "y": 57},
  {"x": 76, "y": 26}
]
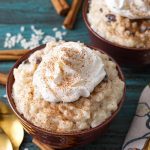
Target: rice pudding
[
  {"x": 123, "y": 22},
  {"x": 67, "y": 87}
]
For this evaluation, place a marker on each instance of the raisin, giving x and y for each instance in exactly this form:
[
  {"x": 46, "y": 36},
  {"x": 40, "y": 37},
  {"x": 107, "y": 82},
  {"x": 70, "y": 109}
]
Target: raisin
[
  {"x": 26, "y": 61},
  {"x": 145, "y": 27},
  {"x": 105, "y": 78},
  {"x": 111, "y": 17},
  {"x": 38, "y": 60},
  {"x": 101, "y": 10}
]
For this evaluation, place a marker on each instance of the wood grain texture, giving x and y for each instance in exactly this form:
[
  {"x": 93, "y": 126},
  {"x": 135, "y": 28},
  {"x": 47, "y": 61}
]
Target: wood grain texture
[{"x": 17, "y": 13}]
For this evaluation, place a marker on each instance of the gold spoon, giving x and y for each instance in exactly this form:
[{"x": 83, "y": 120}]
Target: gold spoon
[
  {"x": 5, "y": 143},
  {"x": 147, "y": 145},
  {"x": 11, "y": 126},
  {"x": 4, "y": 109}
]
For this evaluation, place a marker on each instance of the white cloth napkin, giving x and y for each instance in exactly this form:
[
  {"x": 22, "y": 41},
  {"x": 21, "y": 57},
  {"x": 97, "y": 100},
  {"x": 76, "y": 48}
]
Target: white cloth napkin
[{"x": 139, "y": 130}]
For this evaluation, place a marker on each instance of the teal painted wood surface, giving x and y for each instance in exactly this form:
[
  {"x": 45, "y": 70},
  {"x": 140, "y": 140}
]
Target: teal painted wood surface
[{"x": 16, "y": 13}]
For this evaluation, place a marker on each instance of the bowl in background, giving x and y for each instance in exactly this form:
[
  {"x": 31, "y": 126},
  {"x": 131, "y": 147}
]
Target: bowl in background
[
  {"x": 60, "y": 140},
  {"x": 125, "y": 56}
]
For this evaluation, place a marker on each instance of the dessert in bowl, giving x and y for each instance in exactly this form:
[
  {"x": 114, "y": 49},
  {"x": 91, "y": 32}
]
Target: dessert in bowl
[
  {"x": 66, "y": 93},
  {"x": 121, "y": 28}
]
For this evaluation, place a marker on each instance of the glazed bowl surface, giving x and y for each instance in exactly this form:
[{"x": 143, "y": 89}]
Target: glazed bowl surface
[
  {"x": 60, "y": 140},
  {"x": 125, "y": 56}
]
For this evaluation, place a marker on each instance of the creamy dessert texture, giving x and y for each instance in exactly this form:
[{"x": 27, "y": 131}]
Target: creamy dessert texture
[
  {"x": 67, "y": 87},
  {"x": 123, "y": 22}
]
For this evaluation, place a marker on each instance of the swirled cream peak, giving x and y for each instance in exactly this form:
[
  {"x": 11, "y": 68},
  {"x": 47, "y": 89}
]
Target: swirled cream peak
[
  {"x": 133, "y": 9},
  {"x": 70, "y": 70}
]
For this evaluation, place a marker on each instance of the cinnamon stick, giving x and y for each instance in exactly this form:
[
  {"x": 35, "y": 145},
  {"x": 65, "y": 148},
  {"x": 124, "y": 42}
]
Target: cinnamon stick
[
  {"x": 9, "y": 57},
  {"x": 13, "y": 52},
  {"x": 3, "y": 78},
  {"x": 72, "y": 14},
  {"x": 41, "y": 145},
  {"x": 61, "y": 6}
]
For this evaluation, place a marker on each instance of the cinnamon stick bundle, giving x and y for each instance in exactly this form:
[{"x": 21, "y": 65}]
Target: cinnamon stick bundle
[
  {"x": 72, "y": 14},
  {"x": 42, "y": 146},
  {"x": 9, "y": 57},
  {"x": 3, "y": 78},
  {"x": 61, "y": 6},
  {"x": 11, "y": 54}
]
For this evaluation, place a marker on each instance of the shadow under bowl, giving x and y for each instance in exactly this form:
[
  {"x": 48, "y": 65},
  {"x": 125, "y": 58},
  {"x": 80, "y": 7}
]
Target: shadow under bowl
[
  {"x": 59, "y": 140},
  {"x": 125, "y": 56}
]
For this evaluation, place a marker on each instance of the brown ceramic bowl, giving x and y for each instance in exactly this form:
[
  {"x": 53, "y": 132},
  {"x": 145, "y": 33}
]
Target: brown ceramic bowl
[
  {"x": 123, "y": 55},
  {"x": 59, "y": 140}
]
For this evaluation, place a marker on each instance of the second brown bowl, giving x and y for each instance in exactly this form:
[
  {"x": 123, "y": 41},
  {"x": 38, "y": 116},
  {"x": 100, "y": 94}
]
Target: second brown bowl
[{"x": 123, "y": 55}]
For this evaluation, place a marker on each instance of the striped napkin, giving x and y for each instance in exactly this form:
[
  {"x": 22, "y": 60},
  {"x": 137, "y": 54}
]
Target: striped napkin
[{"x": 139, "y": 130}]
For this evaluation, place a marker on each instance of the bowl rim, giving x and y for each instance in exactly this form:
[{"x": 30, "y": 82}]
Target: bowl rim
[
  {"x": 125, "y": 48},
  {"x": 75, "y": 133}
]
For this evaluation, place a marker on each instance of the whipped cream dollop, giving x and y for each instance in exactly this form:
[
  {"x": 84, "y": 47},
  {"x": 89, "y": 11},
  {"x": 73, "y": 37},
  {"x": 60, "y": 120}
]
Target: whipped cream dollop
[
  {"x": 133, "y": 9},
  {"x": 70, "y": 70}
]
